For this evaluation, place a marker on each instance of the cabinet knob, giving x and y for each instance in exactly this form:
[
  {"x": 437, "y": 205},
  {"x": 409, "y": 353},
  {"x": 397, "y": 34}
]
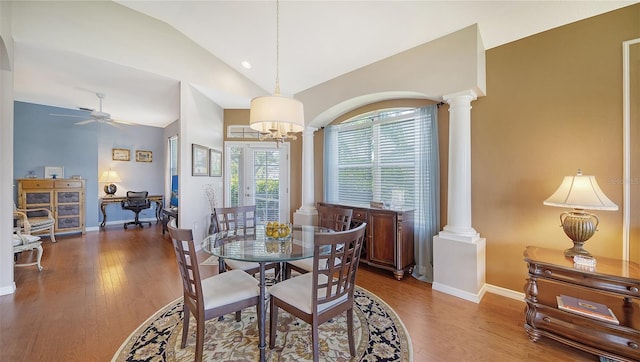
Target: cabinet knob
[
  {"x": 547, "y": 272},
  {"x": 633, "y": 345},
  {"x": 547, "y": 319},
  {"x": 633, "y": 289}
]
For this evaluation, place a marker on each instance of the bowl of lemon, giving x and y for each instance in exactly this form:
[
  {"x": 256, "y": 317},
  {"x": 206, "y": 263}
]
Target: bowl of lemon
[{"x": 278, "y": 230}]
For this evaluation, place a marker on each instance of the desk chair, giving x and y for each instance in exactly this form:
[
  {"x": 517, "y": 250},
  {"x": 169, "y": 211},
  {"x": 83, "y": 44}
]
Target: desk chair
[
  {"x": 136, "y": 201},
  {"x": 327, "y": 291}
]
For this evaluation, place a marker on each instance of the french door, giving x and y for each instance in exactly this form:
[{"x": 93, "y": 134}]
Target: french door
[{"x": 257, "y": 173}]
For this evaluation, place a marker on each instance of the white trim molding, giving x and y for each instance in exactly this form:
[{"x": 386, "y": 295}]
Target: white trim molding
[{"x": 626, "y": 157}]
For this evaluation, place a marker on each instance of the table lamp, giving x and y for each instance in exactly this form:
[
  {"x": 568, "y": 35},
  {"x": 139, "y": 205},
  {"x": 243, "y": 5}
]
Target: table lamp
[
  {"x": 580, "y": 192},
  {"x": 110, "y": 177}
]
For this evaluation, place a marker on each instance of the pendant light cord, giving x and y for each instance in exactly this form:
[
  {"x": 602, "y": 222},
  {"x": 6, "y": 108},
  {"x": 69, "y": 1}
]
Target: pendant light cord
[{"x": 277, "y": 90}]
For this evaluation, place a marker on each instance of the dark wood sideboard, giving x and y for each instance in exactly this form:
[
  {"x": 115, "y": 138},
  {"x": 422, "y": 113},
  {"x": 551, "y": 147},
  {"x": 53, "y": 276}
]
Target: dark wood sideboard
[
  {"x": 388, "y": 237},
  {"x": 614, "y": 283}
]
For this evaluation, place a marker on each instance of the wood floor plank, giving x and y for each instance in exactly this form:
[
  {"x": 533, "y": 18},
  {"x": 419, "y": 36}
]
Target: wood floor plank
[{"x": 99, "y": 287}]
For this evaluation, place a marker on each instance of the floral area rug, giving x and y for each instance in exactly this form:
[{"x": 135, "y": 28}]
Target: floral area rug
[{"x": 379, "y": 336}]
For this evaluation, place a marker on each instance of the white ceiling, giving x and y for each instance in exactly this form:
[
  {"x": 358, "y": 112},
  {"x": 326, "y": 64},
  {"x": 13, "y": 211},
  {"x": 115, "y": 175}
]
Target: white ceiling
[{"x": 319, "y": 40}]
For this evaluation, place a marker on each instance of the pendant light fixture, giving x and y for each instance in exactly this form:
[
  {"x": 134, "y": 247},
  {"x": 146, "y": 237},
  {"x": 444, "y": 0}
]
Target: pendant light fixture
[{"x": 276, "y": 117}]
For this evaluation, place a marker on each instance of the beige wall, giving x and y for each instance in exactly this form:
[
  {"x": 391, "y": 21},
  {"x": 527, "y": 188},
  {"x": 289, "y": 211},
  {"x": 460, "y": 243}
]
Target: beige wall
[{"x": 553, "y": 105}]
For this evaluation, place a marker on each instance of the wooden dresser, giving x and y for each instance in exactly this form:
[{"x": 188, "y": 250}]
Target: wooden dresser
[
  {"x": 614, "y": 283},
  {"x": 64, "y": 197},
  {"x": 388, "y": 238}
]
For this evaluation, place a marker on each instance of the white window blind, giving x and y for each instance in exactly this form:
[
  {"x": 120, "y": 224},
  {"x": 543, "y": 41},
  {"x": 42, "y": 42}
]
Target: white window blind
[{"x": 376, "y": 158}]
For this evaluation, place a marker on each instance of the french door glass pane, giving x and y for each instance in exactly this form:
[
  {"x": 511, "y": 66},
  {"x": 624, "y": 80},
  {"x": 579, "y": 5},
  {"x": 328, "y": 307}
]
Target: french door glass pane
[{"x": 266, "y": 171}]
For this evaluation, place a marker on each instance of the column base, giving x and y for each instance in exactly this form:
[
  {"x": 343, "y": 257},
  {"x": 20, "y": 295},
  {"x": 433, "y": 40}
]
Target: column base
[
  {"x": 459, "y": 266},
  {"x": 304, "y": 216}
]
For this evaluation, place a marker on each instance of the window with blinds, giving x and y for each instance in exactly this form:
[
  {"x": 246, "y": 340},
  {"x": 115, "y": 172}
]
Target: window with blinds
[{"x": 377, "y": 158}]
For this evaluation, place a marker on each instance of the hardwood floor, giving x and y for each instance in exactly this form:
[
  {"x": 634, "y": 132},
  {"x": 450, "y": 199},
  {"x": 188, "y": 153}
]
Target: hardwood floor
[{"x": 97, "y": 288}]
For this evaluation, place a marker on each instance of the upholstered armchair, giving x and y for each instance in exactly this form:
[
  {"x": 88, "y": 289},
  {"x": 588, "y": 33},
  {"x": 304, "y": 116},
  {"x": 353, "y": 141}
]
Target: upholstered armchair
[{"x": 34, "y": 221}]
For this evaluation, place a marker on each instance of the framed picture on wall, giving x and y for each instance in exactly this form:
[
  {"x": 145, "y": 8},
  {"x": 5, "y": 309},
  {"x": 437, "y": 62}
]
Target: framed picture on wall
[
  {"x": 120, "y": 154},
  {"x": 199, "y": 160},
  {"x": 144, "y": 156},
  {"x": 215, "y": 163}
]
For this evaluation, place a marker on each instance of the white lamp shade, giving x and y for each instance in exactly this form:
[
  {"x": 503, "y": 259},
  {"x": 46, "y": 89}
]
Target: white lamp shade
[
  {"x": 580, "y": 192},
  {"x": 276, "y": 112},
  {"x": 110, "y": 177}
]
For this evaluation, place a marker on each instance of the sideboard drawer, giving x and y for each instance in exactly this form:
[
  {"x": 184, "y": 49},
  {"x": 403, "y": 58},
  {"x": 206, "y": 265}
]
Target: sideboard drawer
[
  {"x": 68, "y": 222},
  {"x": 37, "y": 184},
  {"x": 34, "y": 198},
  {"x": 631, "y": 288},
  {"x": 64, "y": 210},
  {"x": 68, "y": 184},
  {"x": 68, "y": 197}
]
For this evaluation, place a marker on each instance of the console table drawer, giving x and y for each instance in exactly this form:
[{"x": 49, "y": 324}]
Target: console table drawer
[
  {"x": 627, "y": 287},
  {"x": 602, "y": 335}
]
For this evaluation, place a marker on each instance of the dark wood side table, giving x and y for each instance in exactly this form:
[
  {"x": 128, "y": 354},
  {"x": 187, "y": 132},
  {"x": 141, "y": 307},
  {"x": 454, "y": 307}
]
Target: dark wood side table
[
  {"x": 167, "y": 214},
  {"x": 613, "y": 282}
]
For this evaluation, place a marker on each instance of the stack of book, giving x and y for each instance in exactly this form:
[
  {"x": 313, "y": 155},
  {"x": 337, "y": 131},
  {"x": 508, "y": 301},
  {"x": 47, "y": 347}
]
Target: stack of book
[{"x": 586, "y": 308}]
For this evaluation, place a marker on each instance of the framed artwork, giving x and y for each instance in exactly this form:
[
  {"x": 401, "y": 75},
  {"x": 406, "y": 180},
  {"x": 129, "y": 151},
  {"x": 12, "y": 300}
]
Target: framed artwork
[
  {"x": 144, "y": 156},
  {"x": 53, "y": 172},
  {"x": 120, "y": 154},
  {"x": 215, "y": 163},
  {"x": 199, "y": 160}
]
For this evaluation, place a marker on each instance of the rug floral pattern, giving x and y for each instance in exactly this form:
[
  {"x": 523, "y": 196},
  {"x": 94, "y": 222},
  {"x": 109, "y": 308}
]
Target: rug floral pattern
[{"x": 379, "y": 336}]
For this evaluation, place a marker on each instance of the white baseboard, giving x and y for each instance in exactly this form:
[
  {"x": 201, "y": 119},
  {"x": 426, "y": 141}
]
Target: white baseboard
[
  {"x": 476, "y": 298},
  {"x": 505, "y": 292},
  {"x": 8, "y": 289}
]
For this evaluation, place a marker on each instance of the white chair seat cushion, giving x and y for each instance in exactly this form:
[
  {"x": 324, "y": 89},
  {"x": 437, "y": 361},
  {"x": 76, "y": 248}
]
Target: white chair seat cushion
[
  {"x": 240, "y": 265},
  {"x": 40, "y": 221},
  {"x": 23, "y": 239},
  {"x": 297, "y": 292},
  {"x": 227, "y": 288},
  {"x": 307, "y": 264}
]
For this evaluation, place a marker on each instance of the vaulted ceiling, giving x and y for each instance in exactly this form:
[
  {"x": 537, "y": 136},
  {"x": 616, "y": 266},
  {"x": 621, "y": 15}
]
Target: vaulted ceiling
[{"x": 319, "y": 40}]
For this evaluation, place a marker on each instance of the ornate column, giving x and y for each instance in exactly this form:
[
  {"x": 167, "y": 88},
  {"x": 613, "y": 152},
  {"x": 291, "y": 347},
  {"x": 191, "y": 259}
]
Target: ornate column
[
  {"x": 459, "y": 252},
  {"x": 307, "y": 213}
]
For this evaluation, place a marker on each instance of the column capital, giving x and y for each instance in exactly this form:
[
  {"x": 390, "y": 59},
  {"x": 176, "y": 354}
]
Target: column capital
[
  {"x": 468, "y": 94},
  {"x": 308, "y": 130}
]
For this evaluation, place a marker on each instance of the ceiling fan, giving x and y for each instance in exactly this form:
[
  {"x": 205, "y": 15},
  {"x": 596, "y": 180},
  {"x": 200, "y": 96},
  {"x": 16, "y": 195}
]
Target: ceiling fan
[{"x": 96, "y": 116}]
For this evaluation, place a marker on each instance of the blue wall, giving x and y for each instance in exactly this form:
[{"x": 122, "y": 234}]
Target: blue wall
[{"x": 41, "y": 139}]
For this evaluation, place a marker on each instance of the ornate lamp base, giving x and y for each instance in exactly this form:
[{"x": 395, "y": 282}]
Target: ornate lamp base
[
  {"x": 110, "y": 190},
  {"x": 579, "y": 227}
]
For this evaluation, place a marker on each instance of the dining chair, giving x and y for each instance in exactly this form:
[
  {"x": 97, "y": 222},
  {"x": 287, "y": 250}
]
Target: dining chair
[
  {"x": 210, "y": 297},
  {"x": 331, "y": 217},
  {"x": 242, "y": 220},
  {"x": 327, "y": 291}
]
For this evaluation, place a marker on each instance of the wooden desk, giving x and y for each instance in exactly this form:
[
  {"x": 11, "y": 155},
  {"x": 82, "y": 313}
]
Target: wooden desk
[{"x": 104, "y": 201}]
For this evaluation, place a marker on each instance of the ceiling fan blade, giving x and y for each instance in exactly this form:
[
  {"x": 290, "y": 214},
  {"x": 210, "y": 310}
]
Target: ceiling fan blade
[
  {"x": 113, "y": 124},
  {"x": 66, "y": 115},
  {"x": 122, "y": 122},
  {"x": 85, "y": 122}
]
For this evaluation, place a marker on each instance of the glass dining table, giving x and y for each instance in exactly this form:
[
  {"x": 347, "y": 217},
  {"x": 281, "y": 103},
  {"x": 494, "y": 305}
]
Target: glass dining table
[{"x": 233, "y": 244}]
